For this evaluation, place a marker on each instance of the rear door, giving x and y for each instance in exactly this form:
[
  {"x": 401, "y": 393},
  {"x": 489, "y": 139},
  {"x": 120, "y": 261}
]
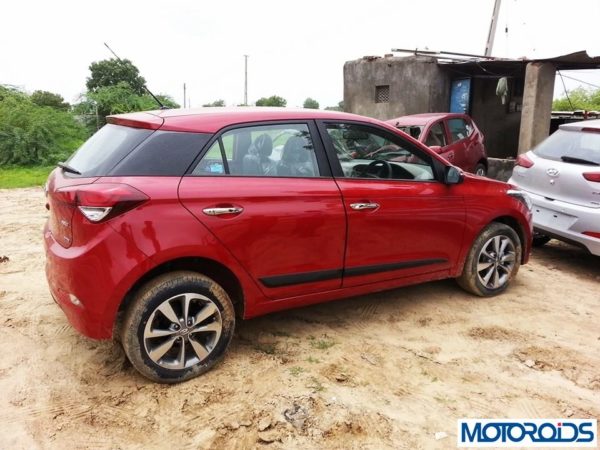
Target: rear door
[
  {"x": 266, "y": 192},
  {"x": 401, "y": 221}
]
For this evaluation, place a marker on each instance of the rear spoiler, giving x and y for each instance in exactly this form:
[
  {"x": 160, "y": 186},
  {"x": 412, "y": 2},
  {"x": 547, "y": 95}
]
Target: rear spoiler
[{"x": 137, "y": 120}]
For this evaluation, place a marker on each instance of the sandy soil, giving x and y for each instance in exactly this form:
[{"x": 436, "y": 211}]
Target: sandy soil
[{"x": 388, "y": 370}]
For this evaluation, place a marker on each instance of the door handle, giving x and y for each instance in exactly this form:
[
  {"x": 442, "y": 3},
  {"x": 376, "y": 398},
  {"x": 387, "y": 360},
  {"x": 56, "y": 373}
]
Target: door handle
[
  {"x": 359, "y": 206},
  {"x": 221, "y": 211}
]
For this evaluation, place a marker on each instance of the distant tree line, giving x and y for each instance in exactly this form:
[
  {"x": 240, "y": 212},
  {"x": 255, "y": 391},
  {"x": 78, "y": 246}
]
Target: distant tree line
[
  {"x": 42, "y": 128},
  {"x": 579, "y": 98}
]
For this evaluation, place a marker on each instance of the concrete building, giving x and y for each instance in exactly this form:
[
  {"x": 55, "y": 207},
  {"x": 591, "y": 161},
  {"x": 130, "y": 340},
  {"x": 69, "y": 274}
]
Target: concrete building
[{"x": 510, "y": 100}]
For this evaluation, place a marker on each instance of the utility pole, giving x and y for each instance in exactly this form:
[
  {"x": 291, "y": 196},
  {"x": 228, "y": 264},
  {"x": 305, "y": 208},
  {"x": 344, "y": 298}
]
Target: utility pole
[
  {"x": 246, "y": 80},
  {"x": 492, "y": 33},
  {"x": 184, "y": 96}
]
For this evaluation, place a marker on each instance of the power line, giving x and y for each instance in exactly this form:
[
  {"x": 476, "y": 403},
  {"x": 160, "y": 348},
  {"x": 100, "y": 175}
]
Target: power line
[
  {"x": 565, "y": 88},
  {"x": 581, "y": 81}
]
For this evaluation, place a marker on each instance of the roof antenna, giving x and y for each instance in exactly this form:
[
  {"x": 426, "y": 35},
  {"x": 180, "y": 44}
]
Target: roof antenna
[{"x": 145, "y": 87}]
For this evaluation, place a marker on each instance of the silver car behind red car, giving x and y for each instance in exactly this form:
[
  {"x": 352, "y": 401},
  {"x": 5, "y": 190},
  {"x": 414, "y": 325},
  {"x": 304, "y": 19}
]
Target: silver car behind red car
[{"x": 562, "y": 177}]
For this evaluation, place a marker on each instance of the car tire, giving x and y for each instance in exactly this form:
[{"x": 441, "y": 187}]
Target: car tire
[
  {"x": 178, "y": 326},
  {"x": 480, "y": 170},
  {"x": 539, "y": 240},
  {"x": 492, "y": 262}
]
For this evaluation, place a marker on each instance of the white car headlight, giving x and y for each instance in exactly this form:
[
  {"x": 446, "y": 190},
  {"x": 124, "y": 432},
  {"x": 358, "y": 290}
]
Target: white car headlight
[{"x": 522, "y": 197}]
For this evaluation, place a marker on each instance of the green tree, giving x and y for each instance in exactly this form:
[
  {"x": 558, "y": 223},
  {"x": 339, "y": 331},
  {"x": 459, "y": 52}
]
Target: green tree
[
  {"x": 45, "y": 98},
  {"x": 31, "y": 134},
  {"x": 273, "y": 100},
  {"x": 215, "y": 103},
  {"x": 118, "y": 99},
  {"x": 339, "y": 107},
  {"x": 311, "y": 103},
  {"x": 581, "y": 98},
  {"x": 112, "y": 72}
]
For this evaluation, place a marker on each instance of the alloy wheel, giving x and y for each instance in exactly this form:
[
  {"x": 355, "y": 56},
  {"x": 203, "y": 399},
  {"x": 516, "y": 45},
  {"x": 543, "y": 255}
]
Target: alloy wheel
[
  {"x": 182, "y": 331},
  {"x": 496, "y": 262}
]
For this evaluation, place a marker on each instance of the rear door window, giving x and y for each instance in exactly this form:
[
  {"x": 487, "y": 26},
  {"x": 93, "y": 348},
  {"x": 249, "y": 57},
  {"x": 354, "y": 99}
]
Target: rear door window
[
  {"x": 282, "y": 150},
  {"x": 106, "y": 148}
]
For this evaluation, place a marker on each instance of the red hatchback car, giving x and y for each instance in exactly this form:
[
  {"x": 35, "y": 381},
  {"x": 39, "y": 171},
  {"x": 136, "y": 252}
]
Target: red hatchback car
[
  {"x": 165, "y": 226},
  {"x": 455, "y": 137}
]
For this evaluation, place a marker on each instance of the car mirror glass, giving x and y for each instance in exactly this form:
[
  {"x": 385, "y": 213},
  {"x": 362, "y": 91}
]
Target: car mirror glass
[{"x": 453, "y": 175}]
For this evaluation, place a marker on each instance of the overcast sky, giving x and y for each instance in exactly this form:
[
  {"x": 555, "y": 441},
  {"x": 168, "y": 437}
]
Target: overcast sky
[{"x": 297, "y": 49}]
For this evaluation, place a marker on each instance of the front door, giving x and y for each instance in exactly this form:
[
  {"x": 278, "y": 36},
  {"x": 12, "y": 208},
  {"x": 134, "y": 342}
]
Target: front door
[{"x": 401, "y": 220}]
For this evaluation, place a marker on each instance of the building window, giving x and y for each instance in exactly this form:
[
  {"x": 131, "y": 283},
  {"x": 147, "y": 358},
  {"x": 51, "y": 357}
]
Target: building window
[{"x": 382, "y": 94}]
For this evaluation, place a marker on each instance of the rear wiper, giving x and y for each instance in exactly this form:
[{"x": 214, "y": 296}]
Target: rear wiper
[
  {"x": 572, "y": 159},
  {"x": 68, "y": 168}
]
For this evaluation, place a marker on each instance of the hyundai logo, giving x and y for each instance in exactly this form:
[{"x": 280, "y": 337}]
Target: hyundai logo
[{"x": 552, "y": 172}]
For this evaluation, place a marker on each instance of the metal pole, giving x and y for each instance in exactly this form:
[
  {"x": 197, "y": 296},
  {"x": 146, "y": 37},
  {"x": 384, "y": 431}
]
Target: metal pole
[
  {"x": 184, "y": 96},
  {"x": 492, "y": 33},
  {"x": 245, "y": 79}
]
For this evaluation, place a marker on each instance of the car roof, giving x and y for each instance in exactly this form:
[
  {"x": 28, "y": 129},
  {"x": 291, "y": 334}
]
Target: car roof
[
  {"x": 578, "y": 126},
  {"x": 211, "y": 120},
  {"x": 424, "y": 118}
]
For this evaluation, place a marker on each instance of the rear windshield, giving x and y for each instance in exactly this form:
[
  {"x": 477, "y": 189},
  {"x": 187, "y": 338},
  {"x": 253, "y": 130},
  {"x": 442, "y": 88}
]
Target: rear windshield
[
  {"x": 106, "y": 148},
  {"x": 579, "y": 147}
]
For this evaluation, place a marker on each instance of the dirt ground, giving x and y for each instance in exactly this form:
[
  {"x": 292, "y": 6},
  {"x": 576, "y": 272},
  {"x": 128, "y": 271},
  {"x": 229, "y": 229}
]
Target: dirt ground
[{"x": 388, "y": 370}]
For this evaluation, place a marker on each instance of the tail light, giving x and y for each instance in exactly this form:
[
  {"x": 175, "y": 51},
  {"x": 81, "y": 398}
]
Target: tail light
[
  {"x": 524, "y": 161},
  {"x": 592, "y": 176},
  {"x": 101, "y": 202},
  {"x": 595, "y": 234}
]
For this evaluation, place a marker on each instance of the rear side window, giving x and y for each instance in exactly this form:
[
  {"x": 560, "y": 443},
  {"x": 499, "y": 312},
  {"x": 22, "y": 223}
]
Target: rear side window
[
  {"x": 165, "y": 153},
  {"x": 459, "y": 129},
  {"x": 106, "y": 148},
  {"x": 571, "y": 146}
]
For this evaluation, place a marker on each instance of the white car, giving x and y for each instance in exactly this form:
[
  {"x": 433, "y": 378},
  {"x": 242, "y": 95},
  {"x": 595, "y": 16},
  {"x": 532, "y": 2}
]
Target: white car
[{"x": 562, "y": 177}]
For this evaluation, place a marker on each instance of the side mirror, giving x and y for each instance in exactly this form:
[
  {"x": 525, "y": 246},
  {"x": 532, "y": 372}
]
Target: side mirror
[
  {"x": 436, "y": 148},
  {"x": 452, "y": 175}
]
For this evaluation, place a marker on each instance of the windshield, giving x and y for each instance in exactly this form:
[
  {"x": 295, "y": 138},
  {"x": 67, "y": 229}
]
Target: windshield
[
  {"x": 571, "y": 146},
  {"x": 106, "y": 148},
  {"x": 411, "y": 130}
]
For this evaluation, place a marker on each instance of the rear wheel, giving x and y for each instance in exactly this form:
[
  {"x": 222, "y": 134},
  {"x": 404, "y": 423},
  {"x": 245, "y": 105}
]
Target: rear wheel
[
  {"x": 178, "y": 327},
  {"x": 480, "y": 170},
  {"x": 539, "y": 239},
  {"x": 493, "y": 261}
]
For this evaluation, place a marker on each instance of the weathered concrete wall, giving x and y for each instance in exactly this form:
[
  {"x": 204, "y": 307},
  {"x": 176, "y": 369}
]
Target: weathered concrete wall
[
  {"x": 537, "y": 105},
  {"x": 500, "y": 169},
  {"x": 499, "y": 126},
  {"x": 417, "y": 85}
]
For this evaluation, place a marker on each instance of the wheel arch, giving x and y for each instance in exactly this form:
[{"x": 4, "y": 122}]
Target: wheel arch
[
  {"x": 515, "y": 225},
  {"x": 206, "y": 266}
]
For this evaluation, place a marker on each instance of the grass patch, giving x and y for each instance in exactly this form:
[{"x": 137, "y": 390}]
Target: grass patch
[
  {"x": 315, "y": 385},
  {"x": 295, "y": 371},
  {"x": 321, "y": 344},
  {"x": 19, "y": 177},
  {"x": 310, "y": 359},
  {"x": 268, "y": 348}
]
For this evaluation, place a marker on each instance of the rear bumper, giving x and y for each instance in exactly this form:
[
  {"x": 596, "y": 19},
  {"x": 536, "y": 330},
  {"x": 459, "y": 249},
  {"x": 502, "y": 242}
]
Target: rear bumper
[
  {"x": 566, "y": 221},
  {"x": 88, "y": 282}
]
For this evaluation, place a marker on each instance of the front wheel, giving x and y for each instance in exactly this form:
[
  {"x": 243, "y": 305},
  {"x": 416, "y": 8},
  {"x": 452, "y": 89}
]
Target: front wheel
[
  {"x": 178, "y": 327},
  {"x": 492, "y": 262}
]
